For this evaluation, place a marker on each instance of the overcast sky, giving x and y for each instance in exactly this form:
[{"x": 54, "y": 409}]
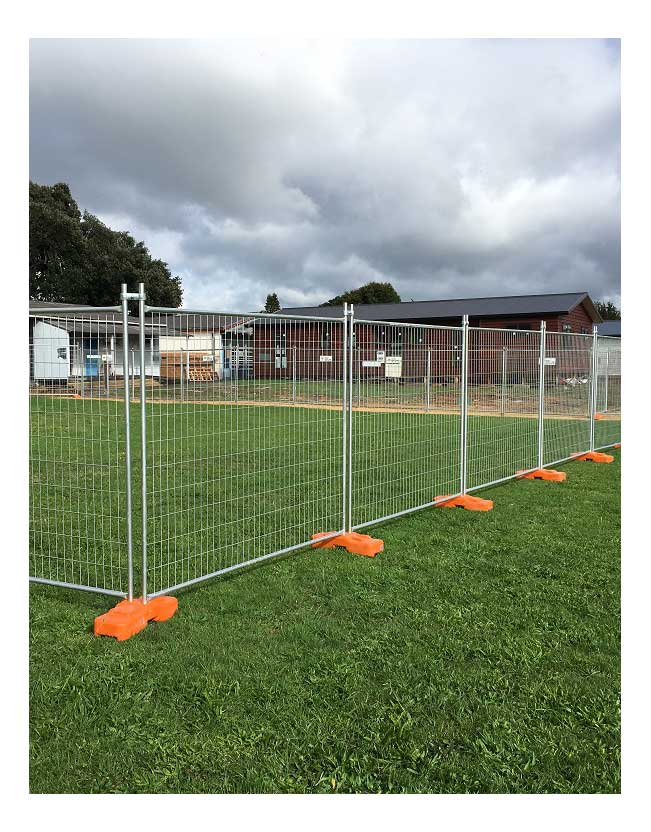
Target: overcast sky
[{"x": 449, "y": 168}]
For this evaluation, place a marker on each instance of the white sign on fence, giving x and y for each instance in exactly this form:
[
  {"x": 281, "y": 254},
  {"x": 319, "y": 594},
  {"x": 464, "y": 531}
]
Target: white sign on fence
[
  {"x": 550, "y": 361},
  {"x": 371, "y": 363},
  {"x": 393, "y": 366},
  {"x": 325, "y": 359},
  {"x": 380, "y": 355}
]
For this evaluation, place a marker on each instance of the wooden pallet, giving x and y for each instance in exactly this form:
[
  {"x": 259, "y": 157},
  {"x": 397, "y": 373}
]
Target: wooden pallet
[{"x": 200, "y": 374}]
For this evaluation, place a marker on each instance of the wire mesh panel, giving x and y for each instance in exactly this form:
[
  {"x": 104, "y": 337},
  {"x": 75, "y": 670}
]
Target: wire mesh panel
[
  {"x": 77, "y": 451},
  {"x": 567, "y": 395},
  {"x": 244, "y": 424},
  {"x": 607, "y": 428},
  {"x": 405, "y": 417},
  {"x": 503, "y": 395}
]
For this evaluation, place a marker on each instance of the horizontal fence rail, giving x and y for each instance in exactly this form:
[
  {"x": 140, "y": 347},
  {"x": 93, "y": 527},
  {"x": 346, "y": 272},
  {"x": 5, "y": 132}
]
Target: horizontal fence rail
[{"x": 210, "y": 441}]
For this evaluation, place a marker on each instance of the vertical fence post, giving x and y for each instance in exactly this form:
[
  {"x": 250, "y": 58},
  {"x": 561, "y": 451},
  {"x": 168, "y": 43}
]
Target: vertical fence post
[
  {"x": 181, "y": 370},
  {"x": 133, "y": 375},
  {"x": 593, "y": 385},
  {"x": 294, "y": 374},
  {"x": 428, "y": 377},
  {"x": 83, "y": 368},
  {"x": 606, "y": 380},
  {"x": 344, "y": 419},
  {"x": 214, "y": 357},
  {"x": 505, "y": 351},
  {"x": 127, "y": 437},
  {"x": 143, "y": 434},
  {"x": 351, "y": 364},
  {"x": 187, "y": 365},
  {"x": 541, "y": 392},
  {"x": 463, "y": 451}
]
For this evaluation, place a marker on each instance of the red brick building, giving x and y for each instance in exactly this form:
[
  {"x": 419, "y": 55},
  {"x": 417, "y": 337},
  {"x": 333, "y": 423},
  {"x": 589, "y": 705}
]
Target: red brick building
[{"x": 313, "y": 349}]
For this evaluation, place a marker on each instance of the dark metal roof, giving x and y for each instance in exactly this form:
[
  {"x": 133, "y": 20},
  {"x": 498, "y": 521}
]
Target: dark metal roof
[
  {"x": 612, "y": 328},
  {"x": 553, "y": 304},
  {"x": 84, "y": 322}
]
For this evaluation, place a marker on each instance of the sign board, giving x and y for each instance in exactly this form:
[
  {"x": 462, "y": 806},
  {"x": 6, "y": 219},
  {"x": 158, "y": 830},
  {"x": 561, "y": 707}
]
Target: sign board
[
  {"x": 107, "y": 357},
  {"x": 380, "y": 355},
  {"x": 550, "y": 361},
  {"x": 94, "y": 357},
  {"x": 371, "y": 363},
  {"x": 393, "y": 366},
  {"x": 325, "y": 359}
]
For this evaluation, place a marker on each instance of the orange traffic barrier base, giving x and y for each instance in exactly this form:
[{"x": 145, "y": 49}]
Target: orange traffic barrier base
[
  {"x": 465, "y": 501},
  {"x": 130, "y": 617},
  {"x": 543, "y": 474},
  {"x": 598, "y": 416},
  {"x": 617, "y": 445},
  {"x": 593, "y": 456},
  {"x": 356, "y": 544}
]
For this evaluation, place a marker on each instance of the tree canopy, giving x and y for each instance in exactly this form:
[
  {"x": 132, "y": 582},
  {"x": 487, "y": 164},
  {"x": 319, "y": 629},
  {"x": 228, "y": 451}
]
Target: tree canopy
[
  {"x": 76, "y": 258},
  {"x": 608, "y": 310},
  {"x": 369, "y": 293},
  {"x": 272, "y": 304}
]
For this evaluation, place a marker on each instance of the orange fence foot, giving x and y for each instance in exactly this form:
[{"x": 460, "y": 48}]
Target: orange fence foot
[
  {"x": 617, "y": 445},
  {"x": 543, "y": 474},
  {"x": 356, "y": 544},
  {"x": 593, "y": 456},
  {"x": 466, "y": 501},
  {"x": 130, "y": 617},
  {"x": 598, "y": 416}
]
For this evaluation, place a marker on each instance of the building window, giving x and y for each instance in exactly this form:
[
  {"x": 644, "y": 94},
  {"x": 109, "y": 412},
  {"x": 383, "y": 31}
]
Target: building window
[
  {"x": 381, "y": 339},
  {"x": 325, "y": 341},
  {"x": 264, "y": 356},
  {"x": 519, "y": 327},
  {"x": 396, "y": 341}
]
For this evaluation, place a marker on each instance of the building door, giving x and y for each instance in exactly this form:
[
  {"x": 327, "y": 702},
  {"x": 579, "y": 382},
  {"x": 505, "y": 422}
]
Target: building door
[
  {"x": 281, "y": 351},
  {"x": 92, "y": 357}
]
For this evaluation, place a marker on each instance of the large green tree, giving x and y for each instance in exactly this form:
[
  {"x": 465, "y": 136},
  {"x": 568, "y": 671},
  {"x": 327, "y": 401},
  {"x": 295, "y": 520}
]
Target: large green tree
[
  {"x": 76, "y": 258},
  {"x": 608, "y": 310},
  {"x": 369, "y": 293}
]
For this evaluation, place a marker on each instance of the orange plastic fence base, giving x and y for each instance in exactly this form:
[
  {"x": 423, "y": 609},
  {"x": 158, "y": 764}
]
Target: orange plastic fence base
[
  {"x": 617, "y": 445},
  {"x": 593, "y": 456},
  {"x": 130, "y": 617},
  {"x": 598, "y": 416},
  {"x": 356, "y": 544},
  {"x": 465, "y": 501},
  {"x": 544, "y": 474}
]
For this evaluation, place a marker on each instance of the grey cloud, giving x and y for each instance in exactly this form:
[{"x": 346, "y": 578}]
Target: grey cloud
[{"x": 447, "y": 167}]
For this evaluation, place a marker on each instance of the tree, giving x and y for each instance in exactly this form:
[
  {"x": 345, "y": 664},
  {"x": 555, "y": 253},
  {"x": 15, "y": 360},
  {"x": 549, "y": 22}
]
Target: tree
[
  {"x": 369, "y": 293},
  {"x": 608, "y": 310},
  {"x": 75, "y": 258},
  {"x": 272, "y": 304}
]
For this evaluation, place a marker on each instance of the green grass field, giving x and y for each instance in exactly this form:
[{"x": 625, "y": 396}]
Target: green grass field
[
  {"x": 477, "y": 653},
  {"x": 229, "y": 483}
]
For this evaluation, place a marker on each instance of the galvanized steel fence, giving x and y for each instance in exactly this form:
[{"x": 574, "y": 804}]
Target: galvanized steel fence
[{"x": 209, "y": 441}]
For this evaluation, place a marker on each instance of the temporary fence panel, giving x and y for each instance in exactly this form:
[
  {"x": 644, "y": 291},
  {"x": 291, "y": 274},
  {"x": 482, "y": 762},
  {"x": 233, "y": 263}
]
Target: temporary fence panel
[
  {"x": 78, "y": 516},
  {"x": 607, "y": 428},
  {"x": 568, "y": 390},
  {"x": 405, "y": 418},
  {"x": 248, "y": 434},
  {"x": 503, "y": 396},
  {"x": 240, "y": 465}
]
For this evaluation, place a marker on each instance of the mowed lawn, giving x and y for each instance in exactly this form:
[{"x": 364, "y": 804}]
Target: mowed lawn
[{"x": 479, "y": 652}]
